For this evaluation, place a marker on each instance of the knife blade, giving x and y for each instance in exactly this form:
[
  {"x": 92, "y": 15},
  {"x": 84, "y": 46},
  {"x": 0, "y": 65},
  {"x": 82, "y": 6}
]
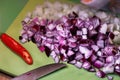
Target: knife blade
[{"x": 40, "y": 72}]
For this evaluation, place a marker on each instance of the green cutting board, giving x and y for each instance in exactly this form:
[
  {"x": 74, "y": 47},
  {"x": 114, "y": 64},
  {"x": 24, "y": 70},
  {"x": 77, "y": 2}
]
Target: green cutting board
[{"x": 13, "y": 64}]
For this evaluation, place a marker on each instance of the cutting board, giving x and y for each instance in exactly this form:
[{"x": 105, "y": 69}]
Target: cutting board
[{"x": 13, "y": 64}]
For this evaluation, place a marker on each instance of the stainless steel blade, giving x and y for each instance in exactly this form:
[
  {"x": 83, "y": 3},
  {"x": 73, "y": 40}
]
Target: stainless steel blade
[{"x": 40, "y": 72}]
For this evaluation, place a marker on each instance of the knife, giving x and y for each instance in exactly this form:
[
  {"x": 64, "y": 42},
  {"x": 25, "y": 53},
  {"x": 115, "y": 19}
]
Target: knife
[{"x": 40, "y": 72}]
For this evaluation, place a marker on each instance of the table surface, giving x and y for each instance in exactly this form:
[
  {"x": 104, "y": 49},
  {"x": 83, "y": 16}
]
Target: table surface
[{"x": 8, "y": 13}]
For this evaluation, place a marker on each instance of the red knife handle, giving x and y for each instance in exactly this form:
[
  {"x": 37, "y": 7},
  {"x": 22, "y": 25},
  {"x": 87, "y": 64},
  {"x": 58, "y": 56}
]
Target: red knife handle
[{"x": 17, "y": 48}]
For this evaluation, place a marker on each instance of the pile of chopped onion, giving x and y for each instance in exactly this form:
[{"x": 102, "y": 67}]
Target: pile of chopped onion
[{"x": 83, "y": 42}]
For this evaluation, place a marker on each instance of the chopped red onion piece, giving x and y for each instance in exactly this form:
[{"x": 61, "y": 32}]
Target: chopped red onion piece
[
  {"x": 25, "y": 36},
  {"x": 62, "y": 33},
  {"x": 57, "y": 60},
  {"x": 23, "y": 40},
  {"x": 117, "y": 60},
  {"x": 98, "y": 64},
  {"x": 72, "y": 44},
  {"x": 70, "y": 53},
  {"x": 92, "y": 33},
  {"x": 72, "y": 40},
  {"x": 87, "y": 55},
  {"x": 49, "y": 34},
  {"x": 82, "y": 42},
  {"x": 79, "y": 56},
  {"x": 100, "y": 43},
  {"x": 108, "y": 68},
  {"x": 92, "y": 69},
  {"x": 63, "y": 51},
  {"x": 100, "y": 74},
  {"x": 110, "y": 59},
  {"x": 84, "y": 36},
  {"x": 95, "y": 47},
  {"x": 51, "y": 26},
  {"x": 64, "y": 19},
  {"x": 86, "y": 65},
  {"x": 59, "y": 27},
  {"x": 84, "y": 31},
  {"x": 85, "y": 51},
  {"x": 73, "y": 62},
  {"x": 41, "y": 48},
  {"x": 62, "y": 42},
  {"x": 53, "y": 54},
  {"x": 63, "y": 57},
  {"x": 36, "y": 20},
  {"x": 78, "y": 64},
  {"x": 111, "y": 35},
  {"x": 27, "y": 19},
  {"x": 99, "y": 53},
  {"x": 102, "y": 36},
  {"x": 117, "y": 69},
  {"x": 47, "y": 51},
  {"x": 93, "y": 58},
  {"x": 80, "y": 22},
  {"x": 79, "y": 32},
  {"x": 103, "y": 28},
  {"x": 110, "y": 50}
]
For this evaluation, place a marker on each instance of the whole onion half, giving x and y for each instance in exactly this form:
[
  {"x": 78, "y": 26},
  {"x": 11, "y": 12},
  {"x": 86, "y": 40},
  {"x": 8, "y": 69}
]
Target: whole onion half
[{"x": 85, "y": 43}]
